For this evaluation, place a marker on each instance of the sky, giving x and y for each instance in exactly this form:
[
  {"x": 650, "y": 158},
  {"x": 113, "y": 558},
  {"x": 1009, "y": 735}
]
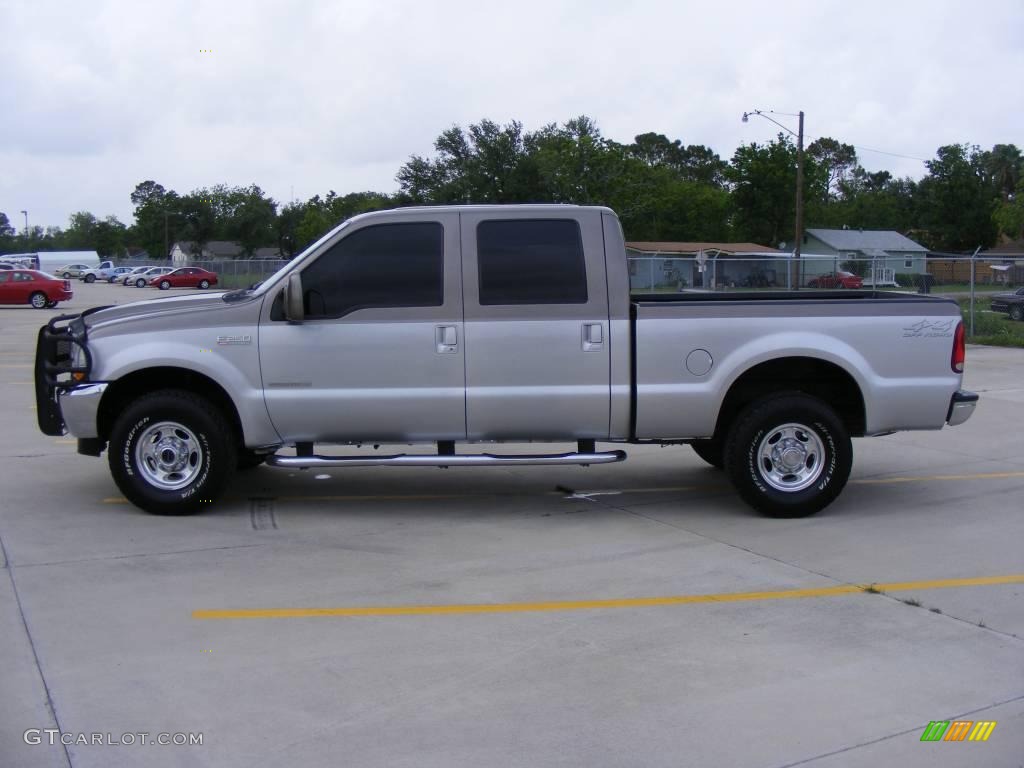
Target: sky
[{"x": 307, "y": 96}]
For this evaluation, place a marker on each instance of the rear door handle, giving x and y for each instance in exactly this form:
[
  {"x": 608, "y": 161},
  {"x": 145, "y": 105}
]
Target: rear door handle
[
  {"x": 446, "y": 337},
  {"x": 593, "y": 337}
]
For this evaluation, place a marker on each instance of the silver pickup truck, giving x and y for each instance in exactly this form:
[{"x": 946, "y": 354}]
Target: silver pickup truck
[{"x": 481, "y": 324}]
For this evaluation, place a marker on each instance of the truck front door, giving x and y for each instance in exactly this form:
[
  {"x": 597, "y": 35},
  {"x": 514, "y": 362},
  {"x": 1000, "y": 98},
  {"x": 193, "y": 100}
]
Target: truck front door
[
  {"x": 536, "y": 308},
  {"x": 379, "y": 355}
]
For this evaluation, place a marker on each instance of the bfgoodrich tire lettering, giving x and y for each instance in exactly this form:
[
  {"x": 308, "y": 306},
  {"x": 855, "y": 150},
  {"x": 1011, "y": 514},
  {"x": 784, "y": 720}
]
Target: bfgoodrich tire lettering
[
  {"x": 818, "y": 439},
  {"x": 207, "y": 430}
]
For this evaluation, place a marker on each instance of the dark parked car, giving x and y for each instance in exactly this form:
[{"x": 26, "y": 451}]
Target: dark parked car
[
  {"x": 1011, "y": 303},
  {"x": 28, "y": 286}
]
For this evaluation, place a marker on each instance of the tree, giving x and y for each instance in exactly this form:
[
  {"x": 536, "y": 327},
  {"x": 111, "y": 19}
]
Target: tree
[
  {"x": 835, "y": 161},
  {"x": 152, "y": 203},
  {"x": 764, "y": 191},
  {"x": 957, "y": 199},
  {"x": 7, "y": 233}
]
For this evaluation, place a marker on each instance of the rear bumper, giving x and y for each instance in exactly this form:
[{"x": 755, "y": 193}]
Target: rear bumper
[{"x": 961, "y": 406}]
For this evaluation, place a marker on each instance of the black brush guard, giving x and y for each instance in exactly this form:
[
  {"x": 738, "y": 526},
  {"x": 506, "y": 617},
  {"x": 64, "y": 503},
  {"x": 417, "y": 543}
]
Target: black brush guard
[{"x": 53, "y": 369}]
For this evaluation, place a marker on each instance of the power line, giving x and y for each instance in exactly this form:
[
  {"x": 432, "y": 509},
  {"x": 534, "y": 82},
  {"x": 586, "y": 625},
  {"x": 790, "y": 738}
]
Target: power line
[{"x": 879, "y": 151}]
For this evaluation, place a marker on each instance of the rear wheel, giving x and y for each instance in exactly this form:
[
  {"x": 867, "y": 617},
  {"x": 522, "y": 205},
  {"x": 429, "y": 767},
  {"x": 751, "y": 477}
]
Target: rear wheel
[
  {"x": 51, "y": 304},
  {"x": 140, "y": 283},
  {"x": 788, "y": 455},
  {"x": 66, "y": 275},
  {"x": 204, "y": 284},
  {"x": 38, "y": 300},
  {"x": 171, "y": 453},
  {"x": 1017, "y": 312},
  {"x": 711, "y": 450}
]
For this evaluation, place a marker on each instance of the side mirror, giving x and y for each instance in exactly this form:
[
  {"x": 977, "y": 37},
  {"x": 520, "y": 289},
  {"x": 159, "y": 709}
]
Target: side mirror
[{"x": 293, "y": 310}]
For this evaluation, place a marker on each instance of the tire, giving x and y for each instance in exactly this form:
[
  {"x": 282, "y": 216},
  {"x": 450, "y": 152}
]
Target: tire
[
  {"x": 711, "y": 450},
  {"x": 204, "y": 284},
  {"x": 164, "y": 285},
  {"x": 140, "y": 283},
  {"x": 90, "y": 278},
  {"x": 1017, "y": 312},
  {"x": 66, "y": 275},
  {"x": 250, "y": 460},
  {"x": 51, "y": 305},
  {"x": 38, "y": 300},
  {"x": 756, "y": 466},
  {"x": 186, "y": 425}
]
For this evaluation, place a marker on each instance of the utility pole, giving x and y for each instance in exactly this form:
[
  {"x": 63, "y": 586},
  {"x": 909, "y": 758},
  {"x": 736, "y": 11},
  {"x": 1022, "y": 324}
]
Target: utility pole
[{"x": 799, "y": 201}]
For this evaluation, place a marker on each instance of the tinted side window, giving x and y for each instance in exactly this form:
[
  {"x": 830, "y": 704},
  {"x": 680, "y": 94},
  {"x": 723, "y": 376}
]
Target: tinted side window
[
  {"x": 531, "y": 261},
  {"x": 389, "y": 265}
]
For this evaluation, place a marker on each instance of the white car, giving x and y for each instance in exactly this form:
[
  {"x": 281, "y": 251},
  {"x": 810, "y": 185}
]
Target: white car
[
  {"x": 127, "y": 277},
  {"x": 72, "y": 270},
  {"x": 141, "y": 279}
]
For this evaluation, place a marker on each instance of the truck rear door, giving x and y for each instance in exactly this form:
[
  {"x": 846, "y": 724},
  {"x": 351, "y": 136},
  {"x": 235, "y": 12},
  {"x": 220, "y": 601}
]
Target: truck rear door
[{"x": 536, "y": 325}]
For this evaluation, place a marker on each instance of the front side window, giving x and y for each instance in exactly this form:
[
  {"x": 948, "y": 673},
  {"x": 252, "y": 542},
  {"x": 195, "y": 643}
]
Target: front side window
[
  {"x": 531, "y": 261},
  {"x": 388, "y": 265}
]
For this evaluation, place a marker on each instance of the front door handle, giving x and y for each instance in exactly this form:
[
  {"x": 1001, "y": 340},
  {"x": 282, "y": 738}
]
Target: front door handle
[
  {"x": 446, "y": 337},
  {"x": 593, "y": 337}
]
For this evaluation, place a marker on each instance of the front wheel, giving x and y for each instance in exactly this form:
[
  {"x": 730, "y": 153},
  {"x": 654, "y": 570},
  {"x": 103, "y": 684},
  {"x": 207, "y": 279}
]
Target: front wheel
[
  {"x": 1017, "y": 312},
  {"x": 789, "y": 455},
  {"x": 38, "y": 300},
  {"x": 171, "y": 453},
  {"x": 164, "y": 285},
  {"x": 90, "y": 278}
]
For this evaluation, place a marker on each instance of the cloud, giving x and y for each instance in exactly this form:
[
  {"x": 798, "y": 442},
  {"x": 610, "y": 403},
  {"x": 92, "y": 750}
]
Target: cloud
[{"x": 336, "y": 95}]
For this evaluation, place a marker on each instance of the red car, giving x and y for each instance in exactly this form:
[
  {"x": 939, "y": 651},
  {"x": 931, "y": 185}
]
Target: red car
[
  {"x": 838, "y": 280},
  {"x": 186, "y": 277},
  {"x": 29, "y": 286}
]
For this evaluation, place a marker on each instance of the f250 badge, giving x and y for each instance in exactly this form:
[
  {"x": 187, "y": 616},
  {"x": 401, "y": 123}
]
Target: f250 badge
[
  {"x": 246, "y": 339},
  {"x": 928, "y": 329}
]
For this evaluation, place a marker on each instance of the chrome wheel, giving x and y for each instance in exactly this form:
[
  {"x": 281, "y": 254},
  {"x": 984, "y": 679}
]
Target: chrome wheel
[
  {"x": 38, "y": 300},
  {"x": 791, "y": 457},
  {"x": 168, "y": 456}
]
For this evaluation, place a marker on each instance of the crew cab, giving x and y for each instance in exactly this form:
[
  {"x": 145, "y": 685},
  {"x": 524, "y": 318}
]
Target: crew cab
[{"x": 454, "y": 325}]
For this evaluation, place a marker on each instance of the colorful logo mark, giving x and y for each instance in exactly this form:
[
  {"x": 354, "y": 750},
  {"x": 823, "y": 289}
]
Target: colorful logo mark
[{"x": 958, "y": 730}]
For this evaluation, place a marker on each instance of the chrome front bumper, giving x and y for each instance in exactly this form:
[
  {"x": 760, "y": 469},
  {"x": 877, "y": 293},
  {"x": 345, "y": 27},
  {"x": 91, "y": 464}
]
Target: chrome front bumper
[
  {"x": 961, "y": 406},
  {"x": 79, "y": 407}
]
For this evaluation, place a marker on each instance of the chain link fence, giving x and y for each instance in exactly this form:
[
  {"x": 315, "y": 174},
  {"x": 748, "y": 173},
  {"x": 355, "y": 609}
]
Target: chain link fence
[{"x": 231, "y": 273}]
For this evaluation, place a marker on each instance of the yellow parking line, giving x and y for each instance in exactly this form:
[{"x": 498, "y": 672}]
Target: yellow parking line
[{"x": 580, "y": 605}]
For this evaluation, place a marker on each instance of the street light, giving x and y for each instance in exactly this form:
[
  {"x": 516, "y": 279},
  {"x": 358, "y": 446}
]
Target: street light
[
  {"x": 25, "y": 214},
  {"x": 799, "y": 234}
]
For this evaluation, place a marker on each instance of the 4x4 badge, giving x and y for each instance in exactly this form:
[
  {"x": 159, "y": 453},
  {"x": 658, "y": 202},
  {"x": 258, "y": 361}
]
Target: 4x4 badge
[{"x": 246, "y": 339}]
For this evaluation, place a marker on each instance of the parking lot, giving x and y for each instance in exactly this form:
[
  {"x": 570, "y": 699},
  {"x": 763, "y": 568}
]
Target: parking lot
[{"x": 635, "y": 614}]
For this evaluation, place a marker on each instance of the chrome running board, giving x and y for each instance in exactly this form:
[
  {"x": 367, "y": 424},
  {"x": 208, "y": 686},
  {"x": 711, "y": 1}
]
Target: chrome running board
[{"x": 440, "y": 460}]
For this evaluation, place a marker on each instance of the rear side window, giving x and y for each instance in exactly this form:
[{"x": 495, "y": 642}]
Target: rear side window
[
  {"x": 531, "y": 261},
  {"x": 388, "y": 265}
]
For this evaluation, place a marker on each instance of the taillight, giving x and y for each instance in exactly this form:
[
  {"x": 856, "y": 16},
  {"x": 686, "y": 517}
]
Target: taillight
[
  {"x": 959, "y": 349},
  {"x": 67, "y": 285}
]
